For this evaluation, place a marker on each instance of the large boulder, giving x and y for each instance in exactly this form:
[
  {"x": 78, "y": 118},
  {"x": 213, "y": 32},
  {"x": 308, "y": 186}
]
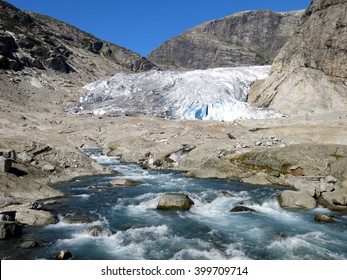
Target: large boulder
[
  {"x": 63, "y": 255},
  {"x": 10, "y": 229},
  {"x": 335, "y": 198},
  {"x": 296, "y": 200},
  {"x": 27, "y": 216},
  {"x": 175, "y": 201}
]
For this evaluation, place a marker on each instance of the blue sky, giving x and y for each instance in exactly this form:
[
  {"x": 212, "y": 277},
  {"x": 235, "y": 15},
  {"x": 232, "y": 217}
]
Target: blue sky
[{"x": 142, "y": 25}]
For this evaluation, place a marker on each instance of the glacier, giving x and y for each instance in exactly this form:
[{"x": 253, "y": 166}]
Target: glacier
[{"x": 212, "y": 94}]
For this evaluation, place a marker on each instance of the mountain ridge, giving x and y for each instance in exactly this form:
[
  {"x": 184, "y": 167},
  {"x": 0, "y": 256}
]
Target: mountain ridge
[
  {"x": 310, "y": 73},
  {"x": 232, "y": 41},
  {"x": 42, "y": 42}
]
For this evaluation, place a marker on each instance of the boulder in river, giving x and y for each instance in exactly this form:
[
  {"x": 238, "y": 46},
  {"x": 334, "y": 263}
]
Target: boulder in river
[
  {"x": 63, "y": 255},
  {"x": 95, "y": 230},
  {"x": 124, "y": 182},
  {"x": 296, "y": 200},
  {"x": 335, "y": 198},
  {"x": 78, "y": 219},
  {"x": 240, "y": 208},
  {"x": 29, "y": 244},
  {"x": 175, "y": 201},
  {"x": 324, "y": 218}
]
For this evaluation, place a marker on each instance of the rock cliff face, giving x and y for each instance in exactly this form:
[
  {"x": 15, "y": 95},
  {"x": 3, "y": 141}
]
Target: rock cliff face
[
  {"x": 243, "y": 39},
  {"x": 310, "y": 73},
  {"x": 30, "y": 40}
]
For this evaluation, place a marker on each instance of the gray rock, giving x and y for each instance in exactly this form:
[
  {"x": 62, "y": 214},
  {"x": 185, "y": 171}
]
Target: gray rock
[
  {"x": 124, "y": 182},
  {"x": 25, "y": 157},
  {"x": 276, "y": 174},
  {"x": 48, "y": 168},
  {"x": 258, "y": 143},
  {"x": 296, "y": 200},
  {"x": 95, "y": 230},
  {"x": 335, "y": 198},
  {"x": 63, "y": 255},
  {"x": 269, "y": 144},
  {"x": 306, "y": 186},
  {"x": 240, "y": 208},
  {"x": 226, "y": 194},
  {"x": 325, "y": 218},
  {"x": 28, "y": 244},
  {"x": 330, "y": 180},
  {"x": 10, "y": 229},
  {"x": 257, "y": 179},
  {"x": 175, "y": 201},
  {"x": 325, "y": 187},
  {"x": 232, "y": 137},
  {"x": 32, "y": 217}
]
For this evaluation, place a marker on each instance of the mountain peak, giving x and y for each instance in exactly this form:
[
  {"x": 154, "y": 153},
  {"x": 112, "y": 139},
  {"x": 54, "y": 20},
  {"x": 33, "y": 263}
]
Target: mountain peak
[{"x": 242, "y": 39}]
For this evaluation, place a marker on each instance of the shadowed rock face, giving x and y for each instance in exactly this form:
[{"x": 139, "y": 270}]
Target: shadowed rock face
[
  {"x": 310, "y": 73},
  {"x": 243, "y": 39},
  {"x": 36, "y": 41}
]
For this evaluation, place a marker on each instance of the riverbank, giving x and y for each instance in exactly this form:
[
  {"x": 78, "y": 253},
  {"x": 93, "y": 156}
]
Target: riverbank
[
  {"x": 48, "y": 142},
  {"x": 231, "y": 220},
  {"x": 261, "y": 152}
]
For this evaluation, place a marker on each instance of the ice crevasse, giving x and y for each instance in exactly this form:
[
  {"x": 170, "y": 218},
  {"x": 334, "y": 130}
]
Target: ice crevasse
[{"x": 213, "y": 94}]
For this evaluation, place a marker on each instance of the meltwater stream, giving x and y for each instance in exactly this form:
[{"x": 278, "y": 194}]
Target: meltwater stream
[{"x": 134, "y": 229}]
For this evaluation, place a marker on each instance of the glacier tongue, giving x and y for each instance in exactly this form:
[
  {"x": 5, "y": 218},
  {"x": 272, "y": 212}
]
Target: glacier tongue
[{"x": 213, "y": 94}]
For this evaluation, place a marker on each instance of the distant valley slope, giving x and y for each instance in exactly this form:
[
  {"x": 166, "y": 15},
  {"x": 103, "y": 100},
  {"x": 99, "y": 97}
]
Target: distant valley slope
[
  {"x": 243, "y": 39},
  {"x": 310, "y": 73}
]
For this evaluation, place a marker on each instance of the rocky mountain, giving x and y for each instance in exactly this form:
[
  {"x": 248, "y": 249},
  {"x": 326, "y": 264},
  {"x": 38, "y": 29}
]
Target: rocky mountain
[
  {"x": 310, "y": 73},
  {"x": 30, "y": 40},
  {"x": 243, "y": 39}
]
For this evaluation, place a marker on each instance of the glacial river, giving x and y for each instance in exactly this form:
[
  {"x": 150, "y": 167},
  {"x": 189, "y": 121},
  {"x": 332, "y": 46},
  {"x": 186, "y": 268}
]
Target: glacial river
[{"x": 134, "y": 229}]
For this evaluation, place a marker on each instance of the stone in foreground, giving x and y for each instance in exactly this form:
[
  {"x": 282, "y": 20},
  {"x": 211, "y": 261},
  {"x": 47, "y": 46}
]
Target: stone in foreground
[
  {"x": 297, "y": 200},
  {"x": 63, "y": 255},
  {"x": 175, "y": 201}
]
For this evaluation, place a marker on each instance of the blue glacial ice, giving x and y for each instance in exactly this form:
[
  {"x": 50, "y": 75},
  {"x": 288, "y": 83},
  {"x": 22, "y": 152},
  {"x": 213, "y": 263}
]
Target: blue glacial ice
[{"x": 213, "y": 94}]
